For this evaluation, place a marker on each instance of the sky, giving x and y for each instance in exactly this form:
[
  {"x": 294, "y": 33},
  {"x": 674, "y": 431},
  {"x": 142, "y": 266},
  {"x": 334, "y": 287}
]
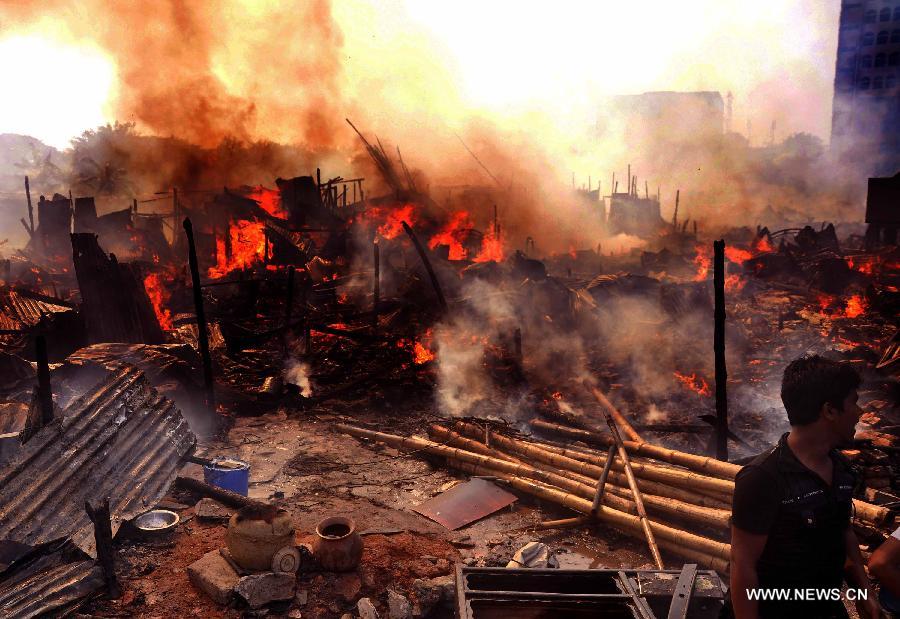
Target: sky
[{"x": 546, "y": 63}]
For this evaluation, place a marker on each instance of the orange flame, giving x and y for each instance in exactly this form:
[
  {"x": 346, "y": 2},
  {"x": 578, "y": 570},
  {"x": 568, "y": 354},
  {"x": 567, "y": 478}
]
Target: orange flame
[
  {"x": 694, "y": 382},
  {"x": 269, "y": 200},
  {"x": 762, "y": 245},
  {"x": 734, "y": 283},
  {"x": 703, "y": 260},
  {"x": 736, "y": 255},
  {"x": 452, "y": 235},
  {"x": 491, "y": 247},
  {"x": 393, "y": 223},
  {"x": 421, "y": 354},
  {"x": 159, "y": 295},
  {"x": 855, "y": 306},
  {"x": 248, "y": 246}
]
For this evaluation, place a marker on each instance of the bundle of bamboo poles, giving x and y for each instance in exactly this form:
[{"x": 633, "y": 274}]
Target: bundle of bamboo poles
[
  {"x": 533, "y": 469},
  {"x": 867, "y": 513}
]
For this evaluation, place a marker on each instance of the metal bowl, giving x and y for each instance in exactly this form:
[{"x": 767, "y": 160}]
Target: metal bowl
[{"x": 156, "y": 521}]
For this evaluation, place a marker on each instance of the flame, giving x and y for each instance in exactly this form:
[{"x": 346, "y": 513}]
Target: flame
[
  {"x": 159, "y": 295},
  {"x": 452, "y": 234},
  {"x": 420, "y": 349},
  {"x": 855, "y": 306},
  {"x": 762, "y": 245},
  {"x": 736, "y": 255},
  {"x": 393, "y": 223},
  {"x": 248, "y": 246},
  {"x": 694, "y": 382},
  {"x": 734, "y": 283},
  {"x": 269, "y": 200},
  {"x": 703, "y": 260},
  {"x": 491, "y": 247}
]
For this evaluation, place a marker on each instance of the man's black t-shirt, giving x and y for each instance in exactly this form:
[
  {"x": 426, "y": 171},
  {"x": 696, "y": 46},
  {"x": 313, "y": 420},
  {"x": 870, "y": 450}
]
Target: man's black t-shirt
[{"x": 805, "y": 518}]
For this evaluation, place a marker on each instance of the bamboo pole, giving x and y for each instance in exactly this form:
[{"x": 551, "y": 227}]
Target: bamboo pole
[
  {"x": 700, "y": 464},
  {"x": 682, "y": 479},
  {"x": 490, "y": 464},
  {"x": 449, "y": 437},
  {"x": 711, "y": 553},
  {"x": 873, "y": 514},
  {"x": 619, "y": 417},
  {"x": 632, "y": 484}
]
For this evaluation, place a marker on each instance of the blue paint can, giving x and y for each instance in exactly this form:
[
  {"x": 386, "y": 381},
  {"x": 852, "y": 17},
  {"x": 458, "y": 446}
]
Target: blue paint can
[{"x": 228, "y": 474}]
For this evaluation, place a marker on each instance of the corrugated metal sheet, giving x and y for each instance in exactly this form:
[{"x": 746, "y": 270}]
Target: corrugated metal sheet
[
  {"x": 120, "y": 440},
  {"x": 48, "y": 582},
  {"x": 21, "y": 309}
]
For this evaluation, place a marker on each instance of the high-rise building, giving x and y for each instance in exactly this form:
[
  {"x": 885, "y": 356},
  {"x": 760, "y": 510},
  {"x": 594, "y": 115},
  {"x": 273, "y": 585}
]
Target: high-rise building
[{"x": 865, "y": 124}]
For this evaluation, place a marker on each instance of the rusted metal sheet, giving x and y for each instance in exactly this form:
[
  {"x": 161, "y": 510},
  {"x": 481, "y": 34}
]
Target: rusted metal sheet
[
  {"x": 48, "y": 582},
  {"x": 465, "y": 503},
  {"x": 121, "y": 440},
  {"x": 20, "y": 309}
]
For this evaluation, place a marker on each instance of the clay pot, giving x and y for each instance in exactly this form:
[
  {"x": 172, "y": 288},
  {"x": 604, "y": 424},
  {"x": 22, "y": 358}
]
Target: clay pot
[
  {"x": 337, "y": 546},
  {"x": 254, "y": 536}
]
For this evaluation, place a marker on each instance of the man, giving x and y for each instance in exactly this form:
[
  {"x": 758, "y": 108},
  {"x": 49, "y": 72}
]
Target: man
[
  {"x": 792, "y": 505},
  {"x": 885, "y": 566}
]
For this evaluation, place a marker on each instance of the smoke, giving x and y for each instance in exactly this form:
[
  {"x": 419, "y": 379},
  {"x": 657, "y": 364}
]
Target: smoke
[{"x": 297, "y": 373}]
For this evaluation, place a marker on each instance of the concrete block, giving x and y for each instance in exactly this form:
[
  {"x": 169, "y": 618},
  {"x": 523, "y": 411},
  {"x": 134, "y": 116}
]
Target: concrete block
[{"x": 212, "y": 574}]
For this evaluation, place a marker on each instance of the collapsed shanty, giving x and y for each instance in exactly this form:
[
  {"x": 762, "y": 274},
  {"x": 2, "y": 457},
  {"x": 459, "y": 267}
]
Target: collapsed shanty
[{"x": 366, "y": 354}]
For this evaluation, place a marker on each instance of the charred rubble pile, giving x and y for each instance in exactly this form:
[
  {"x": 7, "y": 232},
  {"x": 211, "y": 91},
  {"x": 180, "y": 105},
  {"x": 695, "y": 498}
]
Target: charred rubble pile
[{"x": 126, "y": 336}]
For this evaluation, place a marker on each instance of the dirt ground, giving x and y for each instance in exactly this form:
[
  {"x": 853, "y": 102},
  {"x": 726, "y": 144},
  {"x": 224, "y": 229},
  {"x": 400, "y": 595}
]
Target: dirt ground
[{"x": 300, "y": 463}]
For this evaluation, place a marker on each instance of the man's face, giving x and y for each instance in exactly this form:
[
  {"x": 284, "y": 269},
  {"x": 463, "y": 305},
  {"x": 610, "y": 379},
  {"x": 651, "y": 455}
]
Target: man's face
[{"x": 844, "y": 420}]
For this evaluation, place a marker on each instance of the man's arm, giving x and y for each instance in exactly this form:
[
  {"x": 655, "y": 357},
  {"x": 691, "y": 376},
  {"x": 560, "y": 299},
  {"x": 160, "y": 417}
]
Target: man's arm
[
  {"x": 746, "y": 549},
  {"x": 856, "y": 572},
  {"x": 885, "y": 564}
]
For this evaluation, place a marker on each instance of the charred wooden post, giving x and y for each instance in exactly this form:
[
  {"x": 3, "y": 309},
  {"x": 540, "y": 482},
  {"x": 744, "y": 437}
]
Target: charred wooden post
[
  {"x": 99, "y": 515},
  {"x": 719, "y": 350},
  {"x": 288, "y": 306},
  {"x": 517, "y": 344},
  {"x": 675, "y": 216},
  {"x": 202, "y": 335},
  {"x": 376, "y": 292},
  {"x": 45, "y": 393},
  {"x": 30, "y": 209},
  {"x": 431, "y": 274}
]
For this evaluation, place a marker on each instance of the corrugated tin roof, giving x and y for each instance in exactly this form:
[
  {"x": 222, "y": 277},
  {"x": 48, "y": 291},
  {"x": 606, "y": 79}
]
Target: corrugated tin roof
[
  {"x": 20, "y": 309},
  {"x": 120, "y": 440},
  {"x": 51, "y": 581}
]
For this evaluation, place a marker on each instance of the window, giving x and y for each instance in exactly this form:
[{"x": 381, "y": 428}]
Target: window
[
  {"x": 885, "y": 14},
  {"x": 895, "y": 36},
  {"x": 894, "y": 59},
  {"x": 878, "y": 82},
  {"x": 880, "y": 60},
  {"x": 864, "y": 83},
  {"x": 890, "y": 81},
  {"x": 897, "y": 14},
  {"x": 882, "y": 37},
  {"x": 868, "y": 38},
  {"x": 871, "y": 16},
  {"x": 866, "y": 62}
]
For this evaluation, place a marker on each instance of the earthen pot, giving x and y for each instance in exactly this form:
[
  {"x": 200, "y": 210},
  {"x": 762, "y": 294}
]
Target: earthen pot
[
  {"x": 337, "y": 546},
  {"x": 254, "y": 536}
]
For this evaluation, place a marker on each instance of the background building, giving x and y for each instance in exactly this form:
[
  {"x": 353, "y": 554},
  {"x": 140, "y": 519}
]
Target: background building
[{"x": 865, "y": 127}]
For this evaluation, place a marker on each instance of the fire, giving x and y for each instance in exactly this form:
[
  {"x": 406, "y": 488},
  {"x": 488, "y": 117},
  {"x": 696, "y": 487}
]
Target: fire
[
  {"x": 452, "y": 234},
  {"x": 855, "y": 306},
  {"x": 762, "y": 245},
  {"x": 159, "y": 296},
  {"x": 393, "y": 223},
  {"x": 734, "y": 283},
  {"x": 248, "y": 246},
  {"x": 491, "y": 247},
  {"x": 269, "y": 200},
  {"x": 703, "y": 260},
  {"x": 421, "y": 354},
  {"x": 694, "y": 382},
  {"x": 736, "y": 255}
]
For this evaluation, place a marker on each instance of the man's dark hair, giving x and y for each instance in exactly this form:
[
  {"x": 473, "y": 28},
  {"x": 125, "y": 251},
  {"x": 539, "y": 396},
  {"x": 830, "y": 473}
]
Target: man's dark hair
[{"x": 811, "y": 381}]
